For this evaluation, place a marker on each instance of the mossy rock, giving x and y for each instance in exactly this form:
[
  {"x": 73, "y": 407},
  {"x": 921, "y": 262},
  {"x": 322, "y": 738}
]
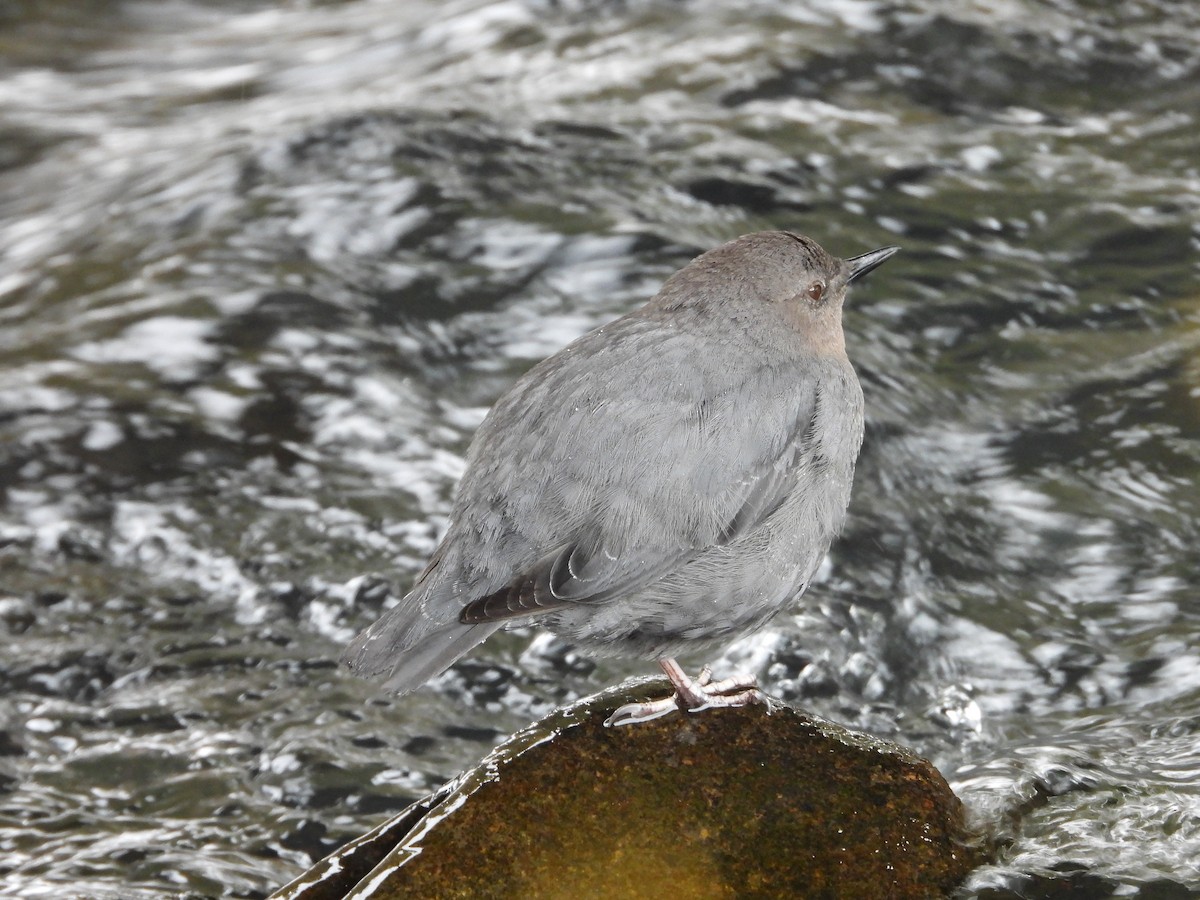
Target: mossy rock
[{"x": 726, "y": 803}]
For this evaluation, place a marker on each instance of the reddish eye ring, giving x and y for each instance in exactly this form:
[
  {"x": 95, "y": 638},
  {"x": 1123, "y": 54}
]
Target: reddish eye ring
[{"x": 816, "y": 290}]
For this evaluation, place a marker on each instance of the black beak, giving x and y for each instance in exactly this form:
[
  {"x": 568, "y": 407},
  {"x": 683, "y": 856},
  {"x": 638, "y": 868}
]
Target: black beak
[{"x": 861, "y": 265}]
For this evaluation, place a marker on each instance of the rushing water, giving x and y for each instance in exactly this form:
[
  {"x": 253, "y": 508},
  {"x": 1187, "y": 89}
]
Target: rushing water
[{"x": 263, "y": 267}]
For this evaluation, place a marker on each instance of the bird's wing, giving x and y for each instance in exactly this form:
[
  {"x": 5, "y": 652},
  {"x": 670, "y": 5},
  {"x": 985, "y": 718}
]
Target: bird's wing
[
  {"x": 672, "y": 474},
  {"x": 581, "y": 572}
]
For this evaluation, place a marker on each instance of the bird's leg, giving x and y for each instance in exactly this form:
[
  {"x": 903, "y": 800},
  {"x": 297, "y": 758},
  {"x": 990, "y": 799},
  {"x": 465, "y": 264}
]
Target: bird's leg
[
  {"x": 691, "y": 695},
  {"x": 704, "y": 693}
]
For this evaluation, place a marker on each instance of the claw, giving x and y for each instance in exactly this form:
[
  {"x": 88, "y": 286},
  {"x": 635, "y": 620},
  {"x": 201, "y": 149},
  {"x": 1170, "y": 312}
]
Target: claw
[
  {"x": 691, "y": 695},
  {"x": 642, "y": 712}
]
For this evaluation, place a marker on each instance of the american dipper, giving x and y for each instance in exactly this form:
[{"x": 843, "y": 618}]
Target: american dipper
[{"x": 668, "y": 481}]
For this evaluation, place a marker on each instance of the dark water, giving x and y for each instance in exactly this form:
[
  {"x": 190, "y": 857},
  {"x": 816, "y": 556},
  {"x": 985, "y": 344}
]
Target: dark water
[{"x": 264, "y": 267}]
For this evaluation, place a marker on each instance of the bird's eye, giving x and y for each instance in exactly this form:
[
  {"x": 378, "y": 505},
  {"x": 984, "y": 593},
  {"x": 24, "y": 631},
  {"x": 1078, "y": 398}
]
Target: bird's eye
[{"x": 816, "y": 291}]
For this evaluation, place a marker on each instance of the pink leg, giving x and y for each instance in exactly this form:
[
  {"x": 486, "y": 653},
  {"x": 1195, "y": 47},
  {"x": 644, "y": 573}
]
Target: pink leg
[{"x": 691, "y": 695}]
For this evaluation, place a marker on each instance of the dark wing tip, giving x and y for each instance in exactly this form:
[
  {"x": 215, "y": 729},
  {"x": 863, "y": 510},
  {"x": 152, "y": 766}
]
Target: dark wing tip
[
  {"x": 522, "y": 597},
  {"x": 541, "y": 588}
]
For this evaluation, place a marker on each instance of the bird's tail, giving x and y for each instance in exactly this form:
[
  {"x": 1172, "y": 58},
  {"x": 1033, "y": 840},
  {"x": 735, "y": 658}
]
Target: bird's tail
[{"x": 407, "y": 646}]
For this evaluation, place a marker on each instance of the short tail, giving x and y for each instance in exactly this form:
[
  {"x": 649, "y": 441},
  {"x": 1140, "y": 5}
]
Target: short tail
[{"x": 407, "y": 648}]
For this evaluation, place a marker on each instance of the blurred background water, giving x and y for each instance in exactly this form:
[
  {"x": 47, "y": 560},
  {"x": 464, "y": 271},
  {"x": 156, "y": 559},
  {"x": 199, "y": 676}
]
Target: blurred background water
[{"x": 264, "y": 266}]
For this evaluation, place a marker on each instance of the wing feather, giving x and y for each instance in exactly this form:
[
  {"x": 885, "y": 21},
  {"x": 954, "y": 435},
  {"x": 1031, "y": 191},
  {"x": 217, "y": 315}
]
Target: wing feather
[{"x": 601, "y": 563}]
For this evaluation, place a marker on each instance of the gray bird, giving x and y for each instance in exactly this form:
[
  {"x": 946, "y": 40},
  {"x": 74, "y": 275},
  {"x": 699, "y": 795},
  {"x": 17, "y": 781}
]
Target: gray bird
[{"x": 670, "y": 480}]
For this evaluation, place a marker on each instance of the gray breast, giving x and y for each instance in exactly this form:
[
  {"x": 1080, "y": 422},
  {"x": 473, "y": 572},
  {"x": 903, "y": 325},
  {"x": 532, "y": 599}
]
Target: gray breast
[{"x": 727, "y": 590}]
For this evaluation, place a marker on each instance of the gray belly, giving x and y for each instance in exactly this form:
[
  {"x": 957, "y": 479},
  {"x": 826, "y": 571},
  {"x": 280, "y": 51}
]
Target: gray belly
[
  {"x": 726, "y": 591},
  {"x": 723, "y": 592}
]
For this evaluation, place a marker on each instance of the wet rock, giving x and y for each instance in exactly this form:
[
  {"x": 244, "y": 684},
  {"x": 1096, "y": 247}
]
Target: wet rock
[{"x": 753, "y": 802}]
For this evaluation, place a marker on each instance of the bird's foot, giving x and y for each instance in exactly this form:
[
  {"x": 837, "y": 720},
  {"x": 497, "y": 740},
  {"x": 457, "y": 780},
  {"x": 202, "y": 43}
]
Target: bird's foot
[{"x": 691, "y": 695}]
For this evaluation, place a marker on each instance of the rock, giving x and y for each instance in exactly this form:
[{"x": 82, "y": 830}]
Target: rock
[{"x": 725, "y": 803}]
